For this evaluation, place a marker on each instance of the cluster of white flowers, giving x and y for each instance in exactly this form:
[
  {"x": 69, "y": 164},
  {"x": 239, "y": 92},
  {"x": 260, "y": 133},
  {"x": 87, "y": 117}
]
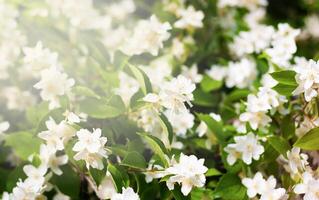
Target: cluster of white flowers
[
  {"x": 90, "y": 148},
  {"x": 265, "y": 188},
  {"x": 148, "y": 36},
  {"x": 307, "y": 78},
  {"x": 242, "y": 3},
  {"x": 237, "y": 74},
  {"x": 17, "y": 99},
  {"x": 246, "y": 147}
]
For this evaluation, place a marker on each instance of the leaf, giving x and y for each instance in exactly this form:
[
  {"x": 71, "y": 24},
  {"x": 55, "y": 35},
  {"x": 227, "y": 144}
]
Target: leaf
[
  {"x": 280, "y": 144},
  {"x": 215, "y": 127},
  {"x": 23, "y": 144},
  {"x": 68, "y": 183},
  {"x": 97, "y": 175},
  {"x": 204, "y": 99},
  {"x": 118, "y": 177},
  {"x": 134, "y": 160},
  {"x": 178, "y": 194},
  {"x": 310, "y": 141},
  {"x": 286, "y": 77},
  {"x": 84, "y": 91},
  {"x": 167, "y": 127},
  {"x": 236, "y": 95},
  {"x": 285, "y": 90},
  {"x": 288, "y": 127},
  {"x": 212, "y": 172},
  {"x": 230, "y": 187},
  {"x": 142, "y": 78},
  {"x": 102, "y": 109},
  {"x": 208, "y": 84},
  {"x": 14, "y": 176},
  {"x": 157, "y": 146}
]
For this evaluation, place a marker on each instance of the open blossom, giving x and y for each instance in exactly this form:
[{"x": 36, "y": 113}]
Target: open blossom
[
  {"x": 57, "y": 134},
  {"x": 120, "y": 10},
  {"x": 265, "y": 188},
  {"x": 192, "y": 73},
  {"x": 26, "y": 190},
  {"x": 255, "y": 119},
  {"x": 241, "y": 74},
  {"x": 245, "y": 147},
  {"x": 296, "y": 161},
  {"x": 307, "y": 78},
  {"x": 35, "y": 175},
  {"x": 181, "y": 122},
  {"x": 189, "y": 18},
  {"x": 309, "y": 187},
  {"x": 217, "y": 72},
  {"x": 127, "y": 88},
  {"x": 51, "y": 160},
  {"x": 90, "y": 148},
  {"x": 53, "y": 84},
  {"x": 176, "y": 93},
  {"x": 189, "y": 172},
  {"x": 106, "y": 189},
  {"x": 38, "y": 58},
  {"x": 148, "y": 36},
  {"x": 127, "y": 193}
]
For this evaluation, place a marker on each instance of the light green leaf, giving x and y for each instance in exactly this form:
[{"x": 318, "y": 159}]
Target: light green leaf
[
  {"x": 142, "y": 78},
  {"x": 310, "y": 141},
  {"x": 285, "y": 90},
  {"x": 85, "y": 91},
  {"x": 23, "y": 144},
  {"x": 157, "y": 146},
  {"x": 208, "y": 84},
  {"x": 230, "y": 188},
  {"x": 167, "y": 127},
  {"x": 134, "y": 160}
]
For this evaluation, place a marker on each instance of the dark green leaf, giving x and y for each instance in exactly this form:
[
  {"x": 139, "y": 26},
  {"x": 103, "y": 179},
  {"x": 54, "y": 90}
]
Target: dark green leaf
[{"x": 134, "y": 160}]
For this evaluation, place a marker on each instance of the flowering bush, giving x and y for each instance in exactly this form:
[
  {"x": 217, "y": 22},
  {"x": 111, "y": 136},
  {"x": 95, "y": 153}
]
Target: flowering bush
[{"x": 172, "y": 99}]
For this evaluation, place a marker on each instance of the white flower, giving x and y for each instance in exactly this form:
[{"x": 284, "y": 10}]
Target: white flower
[
  {"x": 308, "y": 79},
  {"x": 265, "y": 188},
  {"x": 57, "y": 134},
  {"x": 189, "y": 18},
  {"x": 26, "y": 190},
  {"x": 217, "y": 72},
  {"x": 255, "y": 119},
  {"x": 309, "y": 187},
  {"x": 296, "y": 161},
  {"x": 17, "y": 99},
  {"x": 106, "y": 189},
  {"x": 192, "y": 73},
  {"x": 312, "y": 25},
  {"x": 72, "y": 118},
  {"x": 177, "y": 92},
  {"x": 48, "y": 158},
  {"x": 4, "y": 126},
  {"x": 90, "y": 147},
  {"x": 201, "y": 129},
  {"x": 189, "y": 172},
  {"x": 181, "y": 122},
  {"x": 247, "y": 146},
  {"x": 128, "y": 87},
  {"x": 254, "y": 185},
  {"x": 121, "y": 9},
  {"x": 38, "y": 58},
  {"x": 127, "y": 194},
  {"x": 241, "y": 74},
  {"x": 53, "y": 84},
  {"x": 148, "y": 36},
  {"x": 60, "y": 196},
  {"x": 35, "y": 175}
]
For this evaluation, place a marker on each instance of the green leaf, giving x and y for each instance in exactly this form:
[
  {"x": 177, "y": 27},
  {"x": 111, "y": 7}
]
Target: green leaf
[
  {"x": 14, "y": 176},
  {"x": 68, "y": 183},
  {"x": 285, "y": 90},
  {"x": 142, "y": 78},
  {"x": 236, "y": 95},
  {"x": 288, "y": 127},
  {"x": 280, "y": 144},
  {"x": 178, "y": 194},
  {"x": 310, "y": 141},
  {"x": 167, "y": 127},
  {"x": 286, "y": 77},
  {"x": 134, "y": 160},
  {"x": 215, "y": 127},
  {"x": 23, "y": 144},
  {"x": 97, "y": 175},
  {"x": 230, "y": 187},
  {"x": 212, "y": 172},
  {"x": 84, "y": 91},
  {"x": 208, "y": 84},
  {"x": 157, "y": 146},
  {"x": 101, "y": 108},
  {"x": 119, "y": 178},
  {"x": 204, "y": 99}
]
